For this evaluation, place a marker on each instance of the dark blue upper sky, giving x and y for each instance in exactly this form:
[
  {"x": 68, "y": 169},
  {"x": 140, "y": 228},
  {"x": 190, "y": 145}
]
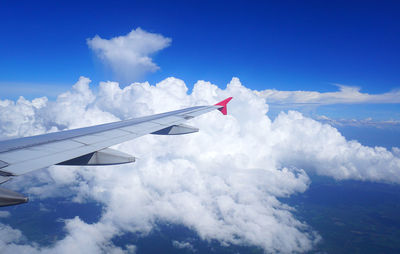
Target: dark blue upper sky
[{"x": 287, "y": 45}]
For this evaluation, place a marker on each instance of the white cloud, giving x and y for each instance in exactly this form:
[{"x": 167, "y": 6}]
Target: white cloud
[
  {"x": 223, "y": 182},
  {"x": 183, "y": 245},
  {"x": 4, "y": 214},
  {"x": 129, "y": 56},
  {"x": 345, "y": 95},
  {"x": 321, "y": 148},
  {"x": 359, "y": 122},
  {"x": 81, "y": 238}
]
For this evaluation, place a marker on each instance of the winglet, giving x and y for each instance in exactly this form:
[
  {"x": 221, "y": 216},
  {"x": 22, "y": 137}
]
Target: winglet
[{"x": 223, "y": 104}]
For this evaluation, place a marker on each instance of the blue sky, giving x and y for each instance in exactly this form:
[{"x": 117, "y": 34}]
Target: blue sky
[{"x": 287, "y": 45}]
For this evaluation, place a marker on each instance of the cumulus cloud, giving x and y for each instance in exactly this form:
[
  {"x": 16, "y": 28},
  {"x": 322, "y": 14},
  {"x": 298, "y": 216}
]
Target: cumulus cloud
[
  {"x": 345, "y": 95},
  {"x": 129, "y": 56},
  {"x": 81, "y": 238},
  {"x": 223, "y": 182}
]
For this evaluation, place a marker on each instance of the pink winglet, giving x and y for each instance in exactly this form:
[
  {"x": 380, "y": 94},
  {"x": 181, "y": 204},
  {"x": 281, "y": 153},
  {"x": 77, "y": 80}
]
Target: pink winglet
[{"x": 223, "y": 104}]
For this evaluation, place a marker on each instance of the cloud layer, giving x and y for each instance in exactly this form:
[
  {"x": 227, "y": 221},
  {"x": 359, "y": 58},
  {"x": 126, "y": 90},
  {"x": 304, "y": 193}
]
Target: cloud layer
[
  {"x": 223, "y": 182},
  {"x": 345, "y": 95},
  {"x": 129, "y": 56}
]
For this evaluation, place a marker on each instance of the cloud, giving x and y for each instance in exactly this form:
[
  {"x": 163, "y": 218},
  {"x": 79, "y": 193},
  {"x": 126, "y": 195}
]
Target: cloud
[
  {"x": 368, "y": 122},
  {"x": 223, "y": 182},
  {"x": 345, "y": 95},
  {"x": 81, "y": 238},
  {"x": 129, "y": 56},
  {"x": 4, "y": 214},
  {"x": 183, "y": 245}
]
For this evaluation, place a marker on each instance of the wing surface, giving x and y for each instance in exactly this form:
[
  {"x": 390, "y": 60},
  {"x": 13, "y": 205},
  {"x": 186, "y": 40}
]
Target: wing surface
[
  {"x": 88, "y": 145},
  {"x": 22, "y": 155}
]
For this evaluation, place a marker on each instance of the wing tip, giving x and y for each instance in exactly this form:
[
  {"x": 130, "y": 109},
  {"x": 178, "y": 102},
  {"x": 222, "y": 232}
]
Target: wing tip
[{"x": 223, "y": 105}]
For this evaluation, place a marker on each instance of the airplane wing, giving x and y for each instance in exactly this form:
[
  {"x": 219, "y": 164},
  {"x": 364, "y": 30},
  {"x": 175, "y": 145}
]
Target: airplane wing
[{"x": 89, "y": 145}]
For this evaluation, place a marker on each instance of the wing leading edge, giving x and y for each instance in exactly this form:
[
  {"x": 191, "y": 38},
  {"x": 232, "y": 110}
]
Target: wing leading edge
[{"x": 88, "y": 145}]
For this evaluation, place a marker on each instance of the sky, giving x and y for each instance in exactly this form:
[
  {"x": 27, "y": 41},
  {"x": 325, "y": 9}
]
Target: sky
[
  {"x": 288, "y": 45},
  {"x": 298, "y": 72}
]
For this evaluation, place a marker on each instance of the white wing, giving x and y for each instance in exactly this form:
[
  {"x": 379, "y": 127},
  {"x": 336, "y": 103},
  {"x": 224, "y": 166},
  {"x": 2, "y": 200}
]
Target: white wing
[{"x": 87, "y": 146}]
